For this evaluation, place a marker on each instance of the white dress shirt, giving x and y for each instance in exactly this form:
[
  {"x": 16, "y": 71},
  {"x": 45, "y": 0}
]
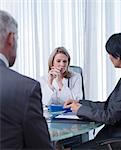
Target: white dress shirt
[
  {"x": 4, "y": 59},
  {"x": 71, "y": 91}
]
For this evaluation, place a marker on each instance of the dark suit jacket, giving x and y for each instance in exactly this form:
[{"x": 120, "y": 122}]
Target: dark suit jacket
[
  {"x": 22, "y": 125},
  {"x": 108, "y": 112}
]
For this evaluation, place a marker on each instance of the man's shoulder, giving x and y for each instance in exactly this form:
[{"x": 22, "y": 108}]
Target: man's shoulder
[{"x": 22, "y": 78}]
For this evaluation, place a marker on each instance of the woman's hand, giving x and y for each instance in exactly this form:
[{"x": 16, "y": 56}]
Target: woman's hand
[
  {"x": 67, "y": 103},
  {"x": 55, "y": 72},
  {"x": 51, "y": 76},
  {"x": 72, "y": 104}
]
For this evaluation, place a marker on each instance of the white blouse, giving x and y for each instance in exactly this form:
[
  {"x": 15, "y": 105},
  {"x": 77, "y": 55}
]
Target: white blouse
[{"x": 72, "y": 89}]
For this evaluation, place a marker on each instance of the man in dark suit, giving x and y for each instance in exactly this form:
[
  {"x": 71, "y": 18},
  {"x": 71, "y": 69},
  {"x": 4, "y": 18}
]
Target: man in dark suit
[
  {"x": 108, "y": 112},
  {"x": 22, "y": 125}
]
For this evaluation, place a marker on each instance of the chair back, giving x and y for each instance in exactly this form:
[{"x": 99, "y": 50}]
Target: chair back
[
  {"x": 78, "y": 70},
  {"x": 112, "y": 143}
]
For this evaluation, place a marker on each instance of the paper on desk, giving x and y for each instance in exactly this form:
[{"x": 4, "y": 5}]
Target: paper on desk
[{"x": 68, "y": 115}]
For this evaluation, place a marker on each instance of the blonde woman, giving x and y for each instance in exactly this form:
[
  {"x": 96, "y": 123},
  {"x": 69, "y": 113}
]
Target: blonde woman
[{"x": 60, "y": 84}]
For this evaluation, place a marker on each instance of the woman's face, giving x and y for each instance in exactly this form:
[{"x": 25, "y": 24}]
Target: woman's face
[
  {"x": 116, "y": 61},
  {"x": 61, "y": 62}
]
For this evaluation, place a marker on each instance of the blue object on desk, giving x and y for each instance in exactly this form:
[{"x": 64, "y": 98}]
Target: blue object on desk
[{"x": 56, "y": 108}]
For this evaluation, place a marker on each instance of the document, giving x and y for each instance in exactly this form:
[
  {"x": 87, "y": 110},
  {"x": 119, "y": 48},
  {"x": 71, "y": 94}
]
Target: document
[{"x": 68, "y": 115}]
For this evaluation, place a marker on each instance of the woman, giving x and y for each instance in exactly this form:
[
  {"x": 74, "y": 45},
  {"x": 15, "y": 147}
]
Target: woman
[
  {"x": 60, "y": 84},
  {"x": 107, "y": 112}
]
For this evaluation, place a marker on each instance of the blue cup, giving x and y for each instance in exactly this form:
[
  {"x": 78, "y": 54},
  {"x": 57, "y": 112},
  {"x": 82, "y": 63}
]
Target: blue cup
[{"x": 56, "y": 108}]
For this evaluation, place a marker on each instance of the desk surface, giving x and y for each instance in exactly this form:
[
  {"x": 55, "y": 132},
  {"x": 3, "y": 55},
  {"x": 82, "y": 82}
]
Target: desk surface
[{"x": 60, "y": 130}]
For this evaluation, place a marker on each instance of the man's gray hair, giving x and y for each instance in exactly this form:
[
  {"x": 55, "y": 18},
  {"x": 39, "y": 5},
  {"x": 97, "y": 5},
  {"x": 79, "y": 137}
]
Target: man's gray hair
[{"x": 7, "y": 24}]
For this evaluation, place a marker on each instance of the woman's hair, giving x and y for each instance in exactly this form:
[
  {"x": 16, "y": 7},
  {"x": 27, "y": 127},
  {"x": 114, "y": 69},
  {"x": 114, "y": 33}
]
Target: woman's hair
[
  {"x": 56, "y": 51},
  {"x": 113, "y": 45}
]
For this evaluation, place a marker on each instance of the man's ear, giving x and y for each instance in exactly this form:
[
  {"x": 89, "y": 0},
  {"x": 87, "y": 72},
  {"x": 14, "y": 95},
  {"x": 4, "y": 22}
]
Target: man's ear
[{"x": 10, "y": 39}]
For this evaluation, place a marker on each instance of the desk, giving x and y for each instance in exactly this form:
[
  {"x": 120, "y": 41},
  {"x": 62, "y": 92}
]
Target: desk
[{"x": 60, "y": 130}]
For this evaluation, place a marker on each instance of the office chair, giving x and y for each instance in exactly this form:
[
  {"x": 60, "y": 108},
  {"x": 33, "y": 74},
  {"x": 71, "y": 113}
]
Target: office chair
[
  {"x": 78, "y": 70},
  {"x": 109, "y": 143}
]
